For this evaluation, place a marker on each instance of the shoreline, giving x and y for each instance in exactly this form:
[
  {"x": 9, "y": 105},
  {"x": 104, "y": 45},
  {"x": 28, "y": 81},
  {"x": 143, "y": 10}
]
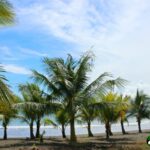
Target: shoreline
[
  {"x": 80, "y": 130},
  {"x": 132, "y": 140},
  {"x": 82, "y": 135}
]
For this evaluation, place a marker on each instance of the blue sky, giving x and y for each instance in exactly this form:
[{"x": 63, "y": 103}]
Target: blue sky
[{"x": 117, "y": 31}]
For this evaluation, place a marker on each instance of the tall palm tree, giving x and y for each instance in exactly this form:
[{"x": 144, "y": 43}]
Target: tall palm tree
[
  {"x": 68, "y": 79},
  {"x": 7, "y": 14},
  {"x": 140, "y": 108}
]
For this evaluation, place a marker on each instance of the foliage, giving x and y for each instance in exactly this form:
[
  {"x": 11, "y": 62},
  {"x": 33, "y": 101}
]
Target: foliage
[
  {"x": 68, "y": 81},
  {"x": 140, "y": 108},
  {"x": 140, "y": 105},
  {"x": 7, "y": 14},
  {"x": 5, "y": 92},
  {"x": 7, "y": 113}
]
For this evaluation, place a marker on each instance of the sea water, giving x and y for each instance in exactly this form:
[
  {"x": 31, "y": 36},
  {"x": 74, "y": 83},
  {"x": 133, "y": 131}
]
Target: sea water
[{"x": 20, "y": 129}]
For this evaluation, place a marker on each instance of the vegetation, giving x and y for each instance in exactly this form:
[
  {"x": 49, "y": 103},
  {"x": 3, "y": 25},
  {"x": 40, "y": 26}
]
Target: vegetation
[
  {"x": 31, "y": 106},
  {"x": 34, "y": 106},
  {"x": 7, "y": 15},
  {"x": 70, "y": 98},
  {"x": 5, "y": 92},
  {"x": 67, "y": 79},
  {"x": 140, "y": 108},
  {"x": 107, "y": 111},
  {"x": 62, "y": 119},
  {"x": 88, "y": 114},
  {"x": 7, "y": 113},
  {"x": 122, "y": 110},
  {"x": 64, "y": 91}
]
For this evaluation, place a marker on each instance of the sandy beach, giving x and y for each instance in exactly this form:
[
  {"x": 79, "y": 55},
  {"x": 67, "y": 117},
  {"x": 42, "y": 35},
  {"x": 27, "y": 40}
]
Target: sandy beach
[{"x": 130, "y": 141}]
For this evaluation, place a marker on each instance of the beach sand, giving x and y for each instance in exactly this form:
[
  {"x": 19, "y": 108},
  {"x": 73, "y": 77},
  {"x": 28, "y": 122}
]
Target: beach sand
[{"x": 130, "y": 141}]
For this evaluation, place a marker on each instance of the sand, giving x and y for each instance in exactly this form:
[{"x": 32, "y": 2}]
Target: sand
[{"x": 130, "y": 141}]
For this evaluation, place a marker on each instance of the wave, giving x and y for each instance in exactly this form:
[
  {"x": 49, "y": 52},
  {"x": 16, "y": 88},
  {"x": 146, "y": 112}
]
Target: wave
[{"x": 76, "y": 126}]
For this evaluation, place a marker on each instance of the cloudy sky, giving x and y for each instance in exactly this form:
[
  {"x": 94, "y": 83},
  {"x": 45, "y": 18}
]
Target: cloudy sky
[{"x": 117, "y": 31}]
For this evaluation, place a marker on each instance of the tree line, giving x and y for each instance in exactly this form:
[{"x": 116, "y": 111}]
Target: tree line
[{"x": 64, "y": 91}]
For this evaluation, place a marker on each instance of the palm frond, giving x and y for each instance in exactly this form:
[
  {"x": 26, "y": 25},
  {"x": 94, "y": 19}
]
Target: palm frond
[{"x": 7, "y": 14}]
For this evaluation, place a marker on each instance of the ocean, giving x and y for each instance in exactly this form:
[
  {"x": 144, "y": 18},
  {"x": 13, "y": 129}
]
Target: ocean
[{"x": 19, "y": 129}]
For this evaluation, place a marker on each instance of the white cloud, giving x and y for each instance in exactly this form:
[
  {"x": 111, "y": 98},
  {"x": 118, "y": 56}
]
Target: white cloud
[
  {"x": 119, "y": 31},
  {"x": 33, "y": 52},
  {"x": 16, "y": 69},
  {"x": 18, "y": 53},
  {"x": 6, "y": 53}
]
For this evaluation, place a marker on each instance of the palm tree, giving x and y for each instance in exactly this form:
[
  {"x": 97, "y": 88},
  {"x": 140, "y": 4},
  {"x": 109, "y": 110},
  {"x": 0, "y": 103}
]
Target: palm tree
[
  {"x": 27, "y": 113},
  {"x": 61, "y": 120},
  {"x": 140, "y": 108},
  {"x": 33, "y": 101},
  {"x": 112, "y": 85},
  {"x": 122, "y": 108},
  {"x": 7, "y": 14},
  {"x": 68, "y": 79},
  {"x": 88, "y": 114},
  {"x": 107, "y": 109},
  {"x": 7, "y": 113},
  {"x": 35, "y": 105}
]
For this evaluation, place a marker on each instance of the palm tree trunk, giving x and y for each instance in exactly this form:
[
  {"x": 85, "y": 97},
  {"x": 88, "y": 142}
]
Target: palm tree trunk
[
  {"x": 72, "y": 130},
  {"x": 122, "y": 127},
  {"x": 107, "y": 130},
  {"x": 38, "y": 128},
  {"x": 63, "y": 131},
  {"x": 139, "y": 124},
  {"x": 31, "y": 130},
  {"x": 5, "y": 132},
  {"x": 72, "y": 123},
  {"x": 110, "y": 132},
  {"x": 89, "y": 129}
]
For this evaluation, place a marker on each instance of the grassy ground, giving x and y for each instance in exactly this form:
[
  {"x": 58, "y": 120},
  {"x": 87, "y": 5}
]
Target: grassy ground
[{"x": 131, "y": 141}]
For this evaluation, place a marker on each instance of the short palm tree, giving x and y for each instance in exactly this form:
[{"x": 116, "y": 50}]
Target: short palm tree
[
  {"x": 7, "y": 14},
  {"x": 122, "y": 108},
  {"x": 61, "y": 120},
  {"x": 68, "y": 79},
  {"x": 28, "y": 106},
  {"x": 35, "y": 105},
  {"x": 7, "y": 113},
  {"x": 108, "y": 113},
  {"x": 88, "y": 114},
  {"x": 113, "y": 85},
  {"x": 27, "y": 113},
  {"x": 140, "y": 108}
]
